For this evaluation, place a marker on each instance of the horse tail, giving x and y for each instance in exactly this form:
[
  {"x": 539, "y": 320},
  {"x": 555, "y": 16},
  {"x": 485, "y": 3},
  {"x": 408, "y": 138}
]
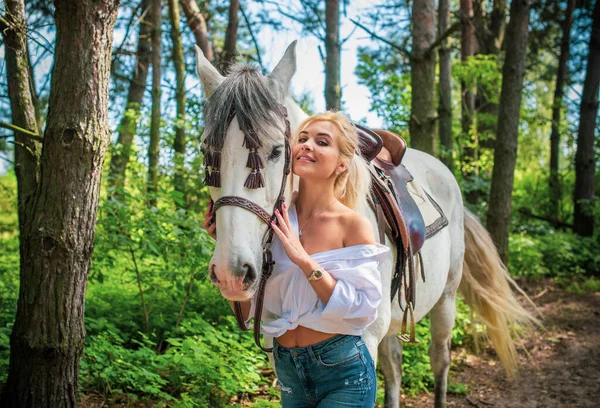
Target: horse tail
[{"x": 486, "y": 287}]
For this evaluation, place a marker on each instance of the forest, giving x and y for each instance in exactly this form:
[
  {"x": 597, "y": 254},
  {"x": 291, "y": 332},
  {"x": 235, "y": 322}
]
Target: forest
[{"x": 105, "y": 298}]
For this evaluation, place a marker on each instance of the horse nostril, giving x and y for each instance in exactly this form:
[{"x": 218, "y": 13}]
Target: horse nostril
[
  {"x": 212, "y": 275},
  {"x": 249, "y": 274}
]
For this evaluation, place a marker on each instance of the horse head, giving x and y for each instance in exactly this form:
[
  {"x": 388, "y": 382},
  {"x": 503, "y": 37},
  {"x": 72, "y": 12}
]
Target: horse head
[{"x": 247, "y": 117}]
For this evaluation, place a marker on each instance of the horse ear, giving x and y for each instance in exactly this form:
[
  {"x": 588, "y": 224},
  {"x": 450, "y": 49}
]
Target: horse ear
[
  {"x": 210, "y": 77},
  {"x": 285, "y": 69}
]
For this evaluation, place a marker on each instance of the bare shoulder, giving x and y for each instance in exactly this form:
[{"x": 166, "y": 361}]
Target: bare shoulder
[{"x": 357, "y": 229}]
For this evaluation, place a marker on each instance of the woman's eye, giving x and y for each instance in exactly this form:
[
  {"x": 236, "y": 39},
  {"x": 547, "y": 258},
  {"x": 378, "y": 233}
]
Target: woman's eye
[
  {"x": 302, "y": 140},
  {"x": 323, "y": 143},
  {"x": 275, "y": 153}
]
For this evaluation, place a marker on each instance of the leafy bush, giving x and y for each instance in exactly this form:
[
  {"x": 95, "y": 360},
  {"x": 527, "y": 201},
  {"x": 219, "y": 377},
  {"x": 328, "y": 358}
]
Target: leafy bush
[{"x": 556, "y": 254}]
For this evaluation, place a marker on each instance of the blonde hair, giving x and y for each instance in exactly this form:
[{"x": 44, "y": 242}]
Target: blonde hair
[{"x": 352, "y": 185}]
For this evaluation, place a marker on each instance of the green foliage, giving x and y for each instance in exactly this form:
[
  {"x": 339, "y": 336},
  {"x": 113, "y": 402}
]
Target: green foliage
[
  {"x": 557, "y": 254},
  {"x": 390, "y": 90},
  {"x": 206, "y": 366},
  {"x": 589, "y": 285},
  {"x": 9, "y": 265}
]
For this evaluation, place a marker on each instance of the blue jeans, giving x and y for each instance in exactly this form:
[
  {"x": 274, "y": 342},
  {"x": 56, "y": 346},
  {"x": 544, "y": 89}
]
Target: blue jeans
[{"x": 338, "y": 372}]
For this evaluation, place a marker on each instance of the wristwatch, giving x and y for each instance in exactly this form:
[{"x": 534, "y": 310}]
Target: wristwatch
[{"x": 315, "y": 275}]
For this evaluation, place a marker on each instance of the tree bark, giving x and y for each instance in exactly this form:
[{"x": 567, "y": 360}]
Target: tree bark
[
  {"x": 60, "y": 219},
  {"x": 179, "y": 145},
  {"x": 230, "y": 35},
  {"x": 445, "y": 98},
  {"x": 333, "y": 93},
  {"x": 27, "y": 150},
  {"x": 467, "y": 50},
  {"x": 561, "y": 74},
  {"x": 128, "y": 127},
  {"x": 422, "y": 64},
  {"x": 197, "y": 24},
  {"x": 584, "y": 158},
  {"x": 498, "y": 220},
  {"x": 154, "y": 146}
]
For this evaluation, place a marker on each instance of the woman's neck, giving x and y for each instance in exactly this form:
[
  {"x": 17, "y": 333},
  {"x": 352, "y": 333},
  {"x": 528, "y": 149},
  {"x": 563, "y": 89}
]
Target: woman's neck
[{"x": 313, "y": 197}]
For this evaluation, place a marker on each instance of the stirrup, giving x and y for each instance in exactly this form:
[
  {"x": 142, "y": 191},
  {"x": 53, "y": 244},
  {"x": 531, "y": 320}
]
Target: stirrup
[{"x": 404, "y": 336}]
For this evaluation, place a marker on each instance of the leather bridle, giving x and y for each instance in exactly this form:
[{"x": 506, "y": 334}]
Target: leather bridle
[{"x": 267, "y": 257}]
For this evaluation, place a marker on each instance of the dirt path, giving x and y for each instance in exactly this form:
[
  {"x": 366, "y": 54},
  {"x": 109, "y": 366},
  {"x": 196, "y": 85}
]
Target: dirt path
[{"x": 562, "y": 369}]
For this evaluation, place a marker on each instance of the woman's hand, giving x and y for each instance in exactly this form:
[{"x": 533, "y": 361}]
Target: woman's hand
[
  {"x": 290, "y": 240},
  {"x": 209, "y": 223}
]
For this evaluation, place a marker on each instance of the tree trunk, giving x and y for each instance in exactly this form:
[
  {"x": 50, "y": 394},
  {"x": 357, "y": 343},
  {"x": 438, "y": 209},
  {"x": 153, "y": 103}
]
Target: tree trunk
[
  {"x": 27, "y": 150},
  {"x": 230, "y": 35},
  {"x": 445, "y": 100},
  {"x": 180, "y": 139},
  {"x": 584, "y": 158},
  {"x": 422, "y": 65},
  {"x": 561, "y": 73},
  {"x": 498, "y": 220},
  {"x": 467, "y": 50},
  {"x": 333, "y": 93},
  {"x": 197, "y": 24},
  {"x": 154, "y": 147},
  {"x": 60, "y": 219},
  {"x": 128, "y": 128}
]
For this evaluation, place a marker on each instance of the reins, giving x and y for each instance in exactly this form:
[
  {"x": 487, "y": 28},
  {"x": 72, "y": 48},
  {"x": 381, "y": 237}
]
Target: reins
[{"x": 255, "y": 181}]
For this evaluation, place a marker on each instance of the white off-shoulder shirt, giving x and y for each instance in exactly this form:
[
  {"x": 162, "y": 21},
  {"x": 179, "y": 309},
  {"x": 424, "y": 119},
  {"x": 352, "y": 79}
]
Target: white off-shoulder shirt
[{"x": 290, "y": 301}]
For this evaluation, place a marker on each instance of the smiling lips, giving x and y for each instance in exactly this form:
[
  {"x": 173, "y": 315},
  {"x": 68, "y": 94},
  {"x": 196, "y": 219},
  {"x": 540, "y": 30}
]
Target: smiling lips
[{"x": 305, "y": 158}]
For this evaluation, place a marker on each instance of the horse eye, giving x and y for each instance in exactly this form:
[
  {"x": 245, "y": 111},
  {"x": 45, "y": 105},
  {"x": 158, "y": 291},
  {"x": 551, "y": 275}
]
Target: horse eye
[{"x": 275, "y": 153}]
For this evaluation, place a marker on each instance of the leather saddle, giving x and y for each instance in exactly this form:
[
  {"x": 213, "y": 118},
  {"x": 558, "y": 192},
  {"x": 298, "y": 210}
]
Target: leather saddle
[{"x": 398, "y": 215}]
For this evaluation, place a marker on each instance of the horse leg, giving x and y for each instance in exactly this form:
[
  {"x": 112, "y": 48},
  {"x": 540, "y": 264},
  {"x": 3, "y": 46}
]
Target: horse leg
[
  {"x": 390, "y": 362},
  {"x": 441, "y": 322}
]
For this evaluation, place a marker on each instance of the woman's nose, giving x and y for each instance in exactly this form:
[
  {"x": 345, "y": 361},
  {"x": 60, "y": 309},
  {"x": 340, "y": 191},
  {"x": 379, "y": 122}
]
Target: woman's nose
[{"x": 306, "y": 146}]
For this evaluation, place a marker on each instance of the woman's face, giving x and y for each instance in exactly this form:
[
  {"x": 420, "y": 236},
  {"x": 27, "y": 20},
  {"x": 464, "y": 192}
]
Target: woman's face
[{"x": 317, "y": 153}]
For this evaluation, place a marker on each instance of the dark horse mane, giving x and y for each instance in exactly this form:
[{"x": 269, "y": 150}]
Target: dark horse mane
[{"x": 245, "y": 94}]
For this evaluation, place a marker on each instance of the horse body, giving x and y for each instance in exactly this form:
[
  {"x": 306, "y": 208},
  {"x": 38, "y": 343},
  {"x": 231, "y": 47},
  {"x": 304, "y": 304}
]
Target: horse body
[{"x": 236, "y": 264}]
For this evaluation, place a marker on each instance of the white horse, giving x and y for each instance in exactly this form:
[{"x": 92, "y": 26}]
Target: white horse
[{"x": 460, "y": 255}]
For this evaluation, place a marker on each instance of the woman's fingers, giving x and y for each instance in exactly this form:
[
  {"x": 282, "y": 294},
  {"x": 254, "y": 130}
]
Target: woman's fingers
[
  {"x": 286, "y": 217},
  {"x": 279, "y": 233},
  {"x": 282, "y": 224}
]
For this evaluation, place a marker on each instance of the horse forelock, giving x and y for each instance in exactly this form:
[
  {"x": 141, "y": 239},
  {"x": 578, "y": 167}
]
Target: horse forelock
[{"x": 246, "y": 93}]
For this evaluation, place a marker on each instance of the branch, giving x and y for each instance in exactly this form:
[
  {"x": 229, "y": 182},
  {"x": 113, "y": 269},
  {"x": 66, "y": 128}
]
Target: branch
[
  {"x": 455, "y": 27},
  {"x": 397, "y": 47},
  {"x": 26, "y": 132},
  {"x": 253, "y": 38},
  {"x": 552, "y": 221}
]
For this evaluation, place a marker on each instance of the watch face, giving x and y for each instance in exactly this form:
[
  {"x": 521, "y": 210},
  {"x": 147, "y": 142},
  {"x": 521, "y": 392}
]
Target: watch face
[{"x": 316, "y": 274}]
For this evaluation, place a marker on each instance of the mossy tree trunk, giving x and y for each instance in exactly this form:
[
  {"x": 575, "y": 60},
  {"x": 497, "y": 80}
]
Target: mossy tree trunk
[
  {"x": 584, "y": 158},
  {"x": 121, "y": 154},
  {"x": 513, "y": 72},
  {"x": 27, "y": 150},
  {"x": 333, "y": 93},
  {"x": 154, "y": 146},
  {"x": 422, "y": 71},
  {"x": 557, "y": 105},
  {"x": 228, "y": 56},
  {"x": 57, "y": 236},
  {"x": 179, "y": 145},
  {"x": 445, "y": 87}
]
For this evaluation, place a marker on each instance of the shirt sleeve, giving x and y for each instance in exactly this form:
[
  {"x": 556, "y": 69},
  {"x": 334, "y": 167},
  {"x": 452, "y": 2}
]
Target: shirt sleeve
[{"x": 355, "y": 297}]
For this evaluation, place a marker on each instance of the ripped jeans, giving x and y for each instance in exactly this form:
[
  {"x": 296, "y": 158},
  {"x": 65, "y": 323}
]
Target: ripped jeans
[{"x": 338, "y": 372}]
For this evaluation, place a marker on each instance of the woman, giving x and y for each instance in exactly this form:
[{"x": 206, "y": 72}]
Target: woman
[{"x": 325, "y": 287}]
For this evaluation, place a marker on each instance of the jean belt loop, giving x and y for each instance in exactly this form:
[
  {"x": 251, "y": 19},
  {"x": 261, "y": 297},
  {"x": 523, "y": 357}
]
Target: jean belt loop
[{"x": 311, "y": 353}]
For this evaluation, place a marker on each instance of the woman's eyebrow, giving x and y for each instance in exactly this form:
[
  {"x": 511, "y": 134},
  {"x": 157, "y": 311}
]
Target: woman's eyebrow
[{"x": 318, "y": 134}]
